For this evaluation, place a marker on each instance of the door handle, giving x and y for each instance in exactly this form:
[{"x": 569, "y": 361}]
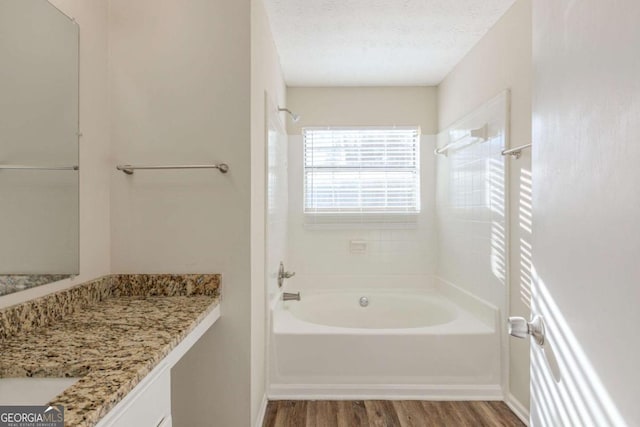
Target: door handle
[{"x": 520, "y": 328}]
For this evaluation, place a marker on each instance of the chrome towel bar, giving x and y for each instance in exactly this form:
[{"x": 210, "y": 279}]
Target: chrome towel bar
[
  {"x": 128, "y": 169},
  {"x": 40, "y": 168},
  {"x": 516, "y": 152}
]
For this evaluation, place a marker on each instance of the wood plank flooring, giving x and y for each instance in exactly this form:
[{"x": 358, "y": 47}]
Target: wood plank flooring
[{"x": 387, "y": 413}]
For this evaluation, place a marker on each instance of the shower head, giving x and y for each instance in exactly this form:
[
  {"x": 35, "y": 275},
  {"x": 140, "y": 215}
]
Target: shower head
[{"x": 295, "y": 117}]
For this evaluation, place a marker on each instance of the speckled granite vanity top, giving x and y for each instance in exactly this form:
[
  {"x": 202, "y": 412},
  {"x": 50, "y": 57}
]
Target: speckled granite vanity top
[{"x": 110, "y": 332}]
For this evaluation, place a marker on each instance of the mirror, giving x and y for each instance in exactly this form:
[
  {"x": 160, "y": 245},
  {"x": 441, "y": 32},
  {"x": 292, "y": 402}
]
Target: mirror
[{"x": 39, "y": 177}]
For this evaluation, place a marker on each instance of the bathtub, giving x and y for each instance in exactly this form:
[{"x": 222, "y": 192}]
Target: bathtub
[{"x": 404, "y": 344}]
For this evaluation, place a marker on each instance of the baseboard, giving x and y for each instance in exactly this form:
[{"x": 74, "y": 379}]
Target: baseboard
[
  {"x": 262, "y": 411},
  {"x": 383, "y": 392},
  {"x": 517, "y": 408}
]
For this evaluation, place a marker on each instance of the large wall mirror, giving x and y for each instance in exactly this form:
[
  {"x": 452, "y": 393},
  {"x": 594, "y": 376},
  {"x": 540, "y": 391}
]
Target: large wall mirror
[{"x": 39, "y": 170}]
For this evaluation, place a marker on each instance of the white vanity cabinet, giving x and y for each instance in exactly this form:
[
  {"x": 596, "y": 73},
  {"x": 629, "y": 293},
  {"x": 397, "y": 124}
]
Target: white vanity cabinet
[{"x": 149, "y": 403}]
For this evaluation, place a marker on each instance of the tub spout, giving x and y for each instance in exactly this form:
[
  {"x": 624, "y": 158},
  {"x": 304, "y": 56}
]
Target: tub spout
[{"x": 289, "y": 296}]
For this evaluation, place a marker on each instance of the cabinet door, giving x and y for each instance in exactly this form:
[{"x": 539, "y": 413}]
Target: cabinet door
[{"x": 149, "y": 407}]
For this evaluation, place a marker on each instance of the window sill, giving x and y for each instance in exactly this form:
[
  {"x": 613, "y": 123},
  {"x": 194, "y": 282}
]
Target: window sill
[{"x": 360, "y": 221}]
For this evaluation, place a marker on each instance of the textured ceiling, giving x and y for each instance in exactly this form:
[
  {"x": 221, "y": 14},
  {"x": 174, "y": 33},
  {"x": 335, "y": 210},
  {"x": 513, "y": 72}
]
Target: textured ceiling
[{"x": 377, "y": 42}]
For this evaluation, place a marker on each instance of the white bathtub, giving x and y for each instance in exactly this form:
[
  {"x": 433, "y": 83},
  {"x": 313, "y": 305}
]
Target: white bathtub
[
  {"x": 384, "y": 310},
  {"x": 404, "y": 344}
]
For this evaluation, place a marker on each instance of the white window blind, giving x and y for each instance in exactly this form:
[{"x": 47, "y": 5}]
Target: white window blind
[{"x": 362, "y": 174}]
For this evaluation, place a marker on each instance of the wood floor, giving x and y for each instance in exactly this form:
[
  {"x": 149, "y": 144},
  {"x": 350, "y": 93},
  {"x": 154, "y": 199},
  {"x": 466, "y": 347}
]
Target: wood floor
[{"x": 386, "y": 413}]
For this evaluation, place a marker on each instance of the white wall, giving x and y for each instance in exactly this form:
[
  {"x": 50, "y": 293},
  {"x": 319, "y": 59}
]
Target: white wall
[
  {"x": 316, "y": 254},
  {"x": 586, "y": 209},
  {"x": 95, "y": 158},
  {"x": 266, "y": 80},
  {"x": 180, "y": 79},
  {"x": 502, "y": 60},
  {"x": 364, "y": 106}
]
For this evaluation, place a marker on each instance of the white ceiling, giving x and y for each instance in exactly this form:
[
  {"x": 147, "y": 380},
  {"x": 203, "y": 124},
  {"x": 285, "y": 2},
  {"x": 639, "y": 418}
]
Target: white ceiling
[{"x": 377, "y": 42}]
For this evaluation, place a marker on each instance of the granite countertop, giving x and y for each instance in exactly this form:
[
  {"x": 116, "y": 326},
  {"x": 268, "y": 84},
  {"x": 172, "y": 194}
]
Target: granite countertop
[{"x": 110, "y": 344}]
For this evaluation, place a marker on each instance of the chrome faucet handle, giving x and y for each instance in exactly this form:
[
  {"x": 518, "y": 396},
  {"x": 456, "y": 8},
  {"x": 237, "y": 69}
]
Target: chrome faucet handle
[{"x": 284, "y": 274}]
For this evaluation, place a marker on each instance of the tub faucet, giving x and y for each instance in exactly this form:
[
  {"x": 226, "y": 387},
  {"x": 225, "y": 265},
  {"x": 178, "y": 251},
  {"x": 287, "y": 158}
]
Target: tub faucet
[{"x": 289, "y": 296}]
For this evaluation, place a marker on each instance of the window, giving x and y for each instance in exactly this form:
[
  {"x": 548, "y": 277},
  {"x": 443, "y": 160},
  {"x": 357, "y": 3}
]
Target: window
[{"x": 361, "y": 174}]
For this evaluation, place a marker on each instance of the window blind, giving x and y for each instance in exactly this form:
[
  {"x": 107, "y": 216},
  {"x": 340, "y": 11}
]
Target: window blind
[{"x": 369, "y": 173}]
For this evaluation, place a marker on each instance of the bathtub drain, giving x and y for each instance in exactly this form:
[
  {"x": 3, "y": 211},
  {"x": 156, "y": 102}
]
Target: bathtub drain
[{"x": 364, "y": 301}]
